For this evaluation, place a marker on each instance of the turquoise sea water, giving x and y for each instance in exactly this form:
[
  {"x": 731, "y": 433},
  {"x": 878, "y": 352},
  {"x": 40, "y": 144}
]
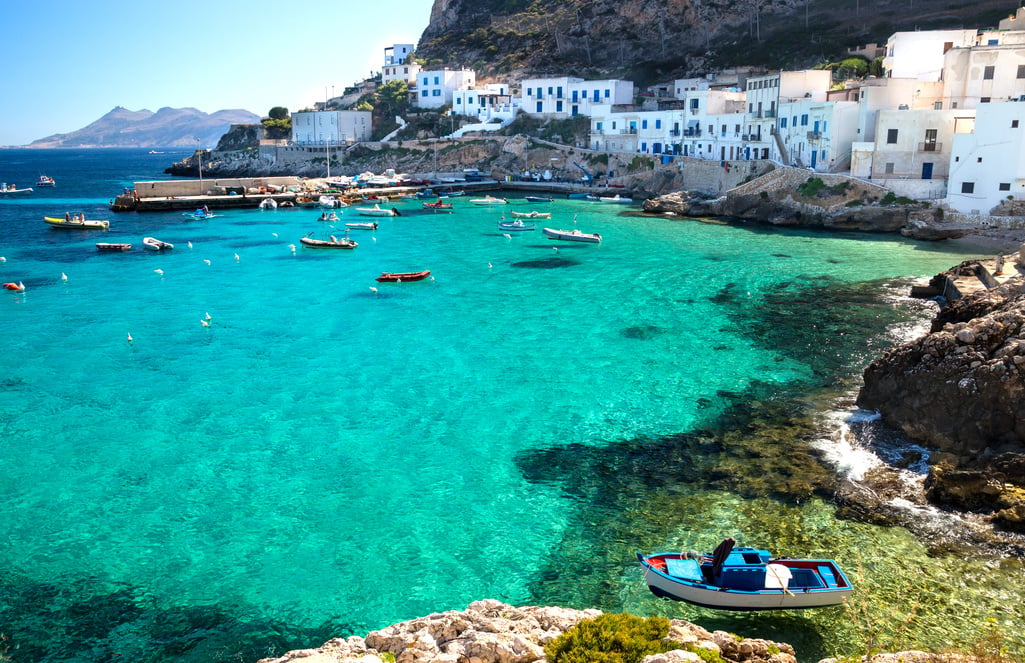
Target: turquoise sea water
[{"x": 325, "y": 458}]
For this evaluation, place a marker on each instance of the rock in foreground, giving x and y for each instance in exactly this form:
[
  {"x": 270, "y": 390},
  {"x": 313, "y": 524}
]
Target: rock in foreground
[{"x": 490, "y": 631}]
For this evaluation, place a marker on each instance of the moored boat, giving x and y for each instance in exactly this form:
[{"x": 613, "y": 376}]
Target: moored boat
[
  {"x": 113, "y": 246},
  {"x": 399, "y": 277},
  {"x": 333, "y": 243},
  {"x": 45, "y": 180},
  {"x": 515, "y": 226},
  {"x": 362, "y": 226},
  {"x": 76, "y": 222},
  {"x": 376, "y": 210},
  {"x": 201, "y": 214},
  {"x": 538, "y": 199},
  {"x": 268, "y": 204},
  {"x": 531, "y": 215},
  {"x": 9, "y": 189},
  {"x": 572, "y": 235},
  {"x": 438, "y": 206},
  {"x": 744, "y": 579},
  {"x": 489, "y": 200},
  {"x": 615, "y": 199},
  {"x": 154, "y": 244}
]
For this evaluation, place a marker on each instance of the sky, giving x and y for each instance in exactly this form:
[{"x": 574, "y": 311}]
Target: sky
[{"x": 69, "y": 62}]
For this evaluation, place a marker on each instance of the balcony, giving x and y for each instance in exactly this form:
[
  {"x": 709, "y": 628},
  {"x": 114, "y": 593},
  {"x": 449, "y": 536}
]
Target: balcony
[
  {"x": 930, "y": 147},
  {"x": 814, "y": 135}
]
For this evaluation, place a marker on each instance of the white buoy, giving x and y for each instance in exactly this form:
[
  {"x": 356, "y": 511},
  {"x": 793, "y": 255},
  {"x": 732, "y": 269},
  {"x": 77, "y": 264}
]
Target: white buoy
[
  {"x": 207, "y": 316},
  {"x": 130, "y": 339},
  {"x": 190, "y": 245},
  {"x": 275, "y": 234},
  {"x": 158, "y": 271},
  {"x": 489, "y": 265},
  {"x": 3, "y": 259},
  {"x": 236, "y": 257},
  {"x": 64, "y": 277},
  {"x": 373, "y": 290},
  {"x": 204, "y": 323},
  {"x": 207, "y": 261}
]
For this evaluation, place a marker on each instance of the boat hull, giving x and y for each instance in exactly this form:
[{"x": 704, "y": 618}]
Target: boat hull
[
  {"x": 572, "y": 235},
  {"x": 113, "y": 246},
  {"x": 516, "y": 227},
  {"x": 327, "y": 244},
  {"x": 64, "y": 224},
  {"x": 705, "y": 595},
  {"x": 403, "y": 277}
]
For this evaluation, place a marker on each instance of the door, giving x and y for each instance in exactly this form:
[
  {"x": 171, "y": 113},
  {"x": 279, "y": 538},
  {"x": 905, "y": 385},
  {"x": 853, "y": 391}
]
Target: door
[
  {"x": 927, "y": 170},
  {"x": 814, "y": 154}
]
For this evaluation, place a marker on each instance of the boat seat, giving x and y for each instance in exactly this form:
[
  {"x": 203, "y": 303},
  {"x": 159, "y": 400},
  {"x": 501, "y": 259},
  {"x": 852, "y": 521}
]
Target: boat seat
[
  {"x": 688, "y": 569},
  {"x": 828, "y": 575}
]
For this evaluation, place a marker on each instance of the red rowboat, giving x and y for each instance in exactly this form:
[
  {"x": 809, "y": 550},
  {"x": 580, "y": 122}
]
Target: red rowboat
[{"x": 396, "y": 277}]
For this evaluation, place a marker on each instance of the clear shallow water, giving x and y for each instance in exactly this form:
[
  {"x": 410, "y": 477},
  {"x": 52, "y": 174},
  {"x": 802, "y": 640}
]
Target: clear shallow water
[{"x": 324, "y": 459}]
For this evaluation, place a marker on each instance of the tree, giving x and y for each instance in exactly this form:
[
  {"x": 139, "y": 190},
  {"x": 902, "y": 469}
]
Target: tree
[{"x": 278, "y": 113}]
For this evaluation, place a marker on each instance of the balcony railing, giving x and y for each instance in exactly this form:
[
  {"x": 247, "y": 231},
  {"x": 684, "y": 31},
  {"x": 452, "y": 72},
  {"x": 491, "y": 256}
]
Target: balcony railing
[
  {"x": 930, "y": 147},
  {"x": 814, "y": 135}
]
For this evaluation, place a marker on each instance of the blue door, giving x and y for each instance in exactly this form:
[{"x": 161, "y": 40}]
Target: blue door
[
  {"x": 927, "y": 170},
  {"x": 814, "y": 154}
]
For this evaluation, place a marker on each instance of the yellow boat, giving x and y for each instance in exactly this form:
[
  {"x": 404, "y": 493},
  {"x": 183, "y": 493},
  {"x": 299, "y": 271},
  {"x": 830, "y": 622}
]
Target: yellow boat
[{"x": 77, "y": 224}]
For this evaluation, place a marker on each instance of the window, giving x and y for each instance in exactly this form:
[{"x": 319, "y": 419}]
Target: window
[
  {"x": 793, "y": 121},
  {"x": 984, "y": 100},
  {"x": 606, "y": 93},
  {"x": 644, "y": 124},
  {"x": 469, "y": 100},
  {"x": 549, "y": 90},
  {"x": 599, "y": 127},
  {"x": 1005, "y": 186},
  {"x": 1014, "y": 124},
  {"x": 751, "y": 107},
  {"x": 425, "y": 80},
  {"x": 782, "y": 123},
  {"x": 891, "y": 136},
  {"x": 540, "y": 105},
  {"x": 658, "y": 124},
  {"x": 930, "y": 140},
  {"x": 937, "y": 105},
  {"x": 558, "y": 92},
  {"x": 558, "y": 106},
  {"x": 978, "y": 160},
  {"x": 967, "y": 187},
  {"x": 437, "y": 80},
  {"x": 987, "y": 72},
  {"x": 528, "y": 91},
  {"x": 804, "y": 120},
  {"x": 435, "y": 93},
  {"x": 423, "y": 93},
  {"x": 889, "y": 168},
  {"x": 1021, "y": 71}
]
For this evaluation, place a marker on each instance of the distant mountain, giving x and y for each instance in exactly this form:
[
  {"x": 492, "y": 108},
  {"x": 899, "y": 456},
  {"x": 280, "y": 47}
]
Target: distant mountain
[{"x": 168, "y": 127}]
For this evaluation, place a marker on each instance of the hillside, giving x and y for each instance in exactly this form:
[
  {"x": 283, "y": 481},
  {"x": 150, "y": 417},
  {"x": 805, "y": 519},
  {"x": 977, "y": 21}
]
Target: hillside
[
  {"x": 654, "y": 40},
  {"x": 168, "y": 127}
]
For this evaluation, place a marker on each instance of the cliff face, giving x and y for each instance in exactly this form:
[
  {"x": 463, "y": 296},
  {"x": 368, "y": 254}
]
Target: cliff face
[{"x": 647, "y": 40}]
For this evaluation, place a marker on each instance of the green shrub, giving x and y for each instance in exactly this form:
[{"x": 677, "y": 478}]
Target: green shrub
[
  {"x": 639, "y": 162},
  {"x": 854, "y": 203},
  {"x": 811, "y": 187},
  {"x": 611, "y": 638},
  {"x": 889, "y": 199}
]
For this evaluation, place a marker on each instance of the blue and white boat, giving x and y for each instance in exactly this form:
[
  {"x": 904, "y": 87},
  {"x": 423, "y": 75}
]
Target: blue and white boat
[{"x": 744, "y": 579}]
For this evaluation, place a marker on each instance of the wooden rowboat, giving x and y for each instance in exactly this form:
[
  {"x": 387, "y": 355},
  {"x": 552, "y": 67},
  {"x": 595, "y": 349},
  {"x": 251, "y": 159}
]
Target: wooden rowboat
[{"x": 397, "y": 277}]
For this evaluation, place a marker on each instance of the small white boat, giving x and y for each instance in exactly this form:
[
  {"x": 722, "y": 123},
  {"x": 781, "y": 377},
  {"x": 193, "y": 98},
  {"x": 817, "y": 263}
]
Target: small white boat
[
  {"x": 531, "y": 215},
  {"x": 331, "y": 202},
  {"x": 376, "y": 210},
  {"x": 489, "y": 200},
  {"x": 333, "y": 243},
  {"x": 538, "y": 199},
  {"x": 10, "y": 190},
  {"x": 515, "y": 226},
  {"x": 328, "y": 217},
  {"x": 269, "y": 204},
  {"x": 745, "y": 579},
  {"x": 76, "y": 222},
  {"x": 615, "y": 199},
  {"x": 45, "y": 180},
  {"x": 572, "y": 235},
  {"x": 154, "y": 244},
  {"x": 362, "y": 226}
]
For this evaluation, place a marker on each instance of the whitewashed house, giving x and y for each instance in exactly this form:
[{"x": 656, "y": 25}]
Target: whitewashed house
[
  {"x": 399, "y": 65},
  {"x": 988, "y": 162},
  {"x": 330, "y": 127},
  {"x": 764, "y": 94},
  {"x": 916, "y": 144},
  {"x": 566, "y": 96},
  {"x": 983, "y": 74},
  {"x": 492, "y": 103},
  {"x": 818, "y": 134},
  {"x": 920, "y": 55},
  {"x": 434, "y": 88}
]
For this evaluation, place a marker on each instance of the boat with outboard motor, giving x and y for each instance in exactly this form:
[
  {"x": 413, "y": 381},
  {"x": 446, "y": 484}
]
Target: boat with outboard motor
[{"x": 745, "y": 579}]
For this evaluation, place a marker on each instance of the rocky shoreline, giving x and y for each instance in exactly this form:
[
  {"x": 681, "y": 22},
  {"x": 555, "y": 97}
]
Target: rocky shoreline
[{"x": 490, "y": 631}]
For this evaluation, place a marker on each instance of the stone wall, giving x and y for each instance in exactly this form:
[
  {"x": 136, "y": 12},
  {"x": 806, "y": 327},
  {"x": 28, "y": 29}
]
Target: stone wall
[
  {"x": 179, "y": 188},
  {"x": 916, "y": 189}
]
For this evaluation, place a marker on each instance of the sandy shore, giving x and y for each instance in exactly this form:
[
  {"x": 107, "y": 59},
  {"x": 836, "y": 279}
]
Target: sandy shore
[{"x": 992, "y": 240}]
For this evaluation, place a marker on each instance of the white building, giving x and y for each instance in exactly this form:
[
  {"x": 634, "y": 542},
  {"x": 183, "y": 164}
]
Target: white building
[
  {"x": 988, "y": 163},
  {"x": 981, "y": 74},
  {"x": 567, "y": 96},
  {"x": 492, "y": 103},
  {"x": 818, "y": 134},
  {"x": 765, "y": 93},
  {"x": 919, "y": 55},
  {"x": 330, "y": 127},
  {"x": 398, "y": 64},
  {"x": 434, "y": 88}
]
